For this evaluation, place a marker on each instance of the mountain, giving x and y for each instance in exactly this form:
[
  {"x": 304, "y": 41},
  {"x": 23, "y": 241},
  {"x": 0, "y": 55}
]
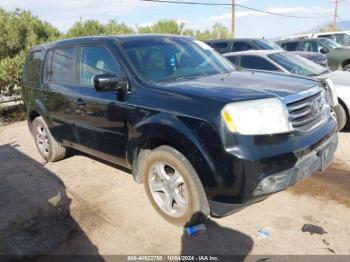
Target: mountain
[{"x": 343, "y": 26}]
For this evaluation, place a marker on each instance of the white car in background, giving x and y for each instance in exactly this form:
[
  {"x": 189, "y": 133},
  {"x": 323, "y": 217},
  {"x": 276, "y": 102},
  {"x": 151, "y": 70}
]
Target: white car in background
[
  {"x": 287, "y": 62},
  {"x": 341, "y": 37}
]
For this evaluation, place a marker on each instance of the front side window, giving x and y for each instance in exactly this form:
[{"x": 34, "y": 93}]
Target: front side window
[
  {"x": 59, "y": 67},
  {"x": 174, "y": 59},
  {"x": 311, "y": 46},
  {"x": 342, "y": 39},
  {"x": 95, "y": 60},
  {"x": 32, "y": 71},
  {"x": 258, "y": 63}
]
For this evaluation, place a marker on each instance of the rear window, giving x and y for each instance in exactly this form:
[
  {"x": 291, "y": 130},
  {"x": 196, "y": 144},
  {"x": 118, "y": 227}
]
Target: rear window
[
  {"x": 255, "y": 62},
  {"x": 33, "y": 65},
  {"x": 59, "y": 67}
]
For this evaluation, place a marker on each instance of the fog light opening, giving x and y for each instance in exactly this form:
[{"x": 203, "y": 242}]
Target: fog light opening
[{"x": 268, "y": 184}]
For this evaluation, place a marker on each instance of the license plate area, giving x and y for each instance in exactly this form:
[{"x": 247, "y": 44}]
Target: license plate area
[{"x": 325, "y": 155}]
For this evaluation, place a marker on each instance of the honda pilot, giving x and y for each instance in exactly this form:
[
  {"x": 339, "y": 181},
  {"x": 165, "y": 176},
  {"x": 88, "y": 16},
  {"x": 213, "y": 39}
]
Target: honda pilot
[{"x": 201, "y": 136}]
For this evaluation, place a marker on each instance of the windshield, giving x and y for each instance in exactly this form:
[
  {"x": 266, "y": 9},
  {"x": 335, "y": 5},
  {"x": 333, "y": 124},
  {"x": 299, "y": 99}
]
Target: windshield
[
  {"x": 297, "y": 65},
  {"x": 266, "y": 45},
  {"x": 330, "y": 43},
  {"x": 343, "y": 39},
  {"x": 164, "y": 59}
]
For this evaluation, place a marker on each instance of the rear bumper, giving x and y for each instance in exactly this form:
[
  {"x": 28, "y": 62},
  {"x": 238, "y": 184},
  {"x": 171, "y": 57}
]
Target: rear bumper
[{"x": 316, "y": 160}]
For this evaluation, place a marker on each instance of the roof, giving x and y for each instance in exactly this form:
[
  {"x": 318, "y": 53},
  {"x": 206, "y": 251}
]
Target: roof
[
  {"x": 254, "y": 52},
  {"x": 104, "y": 38},
  {"x": 234, "y": 39}
]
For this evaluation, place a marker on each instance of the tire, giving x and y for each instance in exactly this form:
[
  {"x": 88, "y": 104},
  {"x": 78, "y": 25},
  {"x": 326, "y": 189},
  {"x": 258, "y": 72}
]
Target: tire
[
  {"x": 341, "y": 117},
  {"x": 46, "y": 144},
  {"x": 346, "y": 68},
  {"x": 175, "y": 165}
]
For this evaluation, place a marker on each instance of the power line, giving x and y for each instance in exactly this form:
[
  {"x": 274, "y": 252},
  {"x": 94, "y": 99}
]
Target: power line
[{"x": 237, "y": 5}]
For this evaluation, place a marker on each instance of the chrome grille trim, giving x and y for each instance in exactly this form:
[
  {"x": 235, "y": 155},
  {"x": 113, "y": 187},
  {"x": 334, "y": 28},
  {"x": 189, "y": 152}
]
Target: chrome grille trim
[{"x": 307, "y": 110}]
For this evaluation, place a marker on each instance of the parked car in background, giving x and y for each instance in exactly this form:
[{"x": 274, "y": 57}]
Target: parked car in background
[
  {"x": 338, "y": 56},
  {"x": 202, "y": 137},
  {"x": 341, "y": 37},
  {"x": 241, "y": 44},
  {"x": 244, "y": 44},
  {"x": 287, "y": 62}
]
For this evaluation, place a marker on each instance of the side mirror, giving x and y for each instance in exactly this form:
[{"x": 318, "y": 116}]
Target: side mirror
[
  {"x": 323, "y": 50},
  {"x": 109, "y": 82}
]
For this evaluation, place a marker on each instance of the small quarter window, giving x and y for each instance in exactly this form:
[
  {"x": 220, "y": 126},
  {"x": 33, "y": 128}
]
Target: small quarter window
[{"x": 33, "y": 65}]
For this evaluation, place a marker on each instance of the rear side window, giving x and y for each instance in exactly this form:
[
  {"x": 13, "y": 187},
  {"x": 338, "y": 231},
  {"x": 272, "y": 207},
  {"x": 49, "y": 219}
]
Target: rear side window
[
  {"x": 59, "y": 67},
  {"x": 241, "y": 46},
  {"x": 326, "y": 36},
  {"x": 221, "y": 47},
  {"x": 255, "y": 62},
  {"x": 33, "y": 65}
]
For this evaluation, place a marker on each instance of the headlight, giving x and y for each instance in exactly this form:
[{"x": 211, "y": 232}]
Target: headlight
[
  {"x": 257, "y": 117},
  {"x": 331, "y": 92}
]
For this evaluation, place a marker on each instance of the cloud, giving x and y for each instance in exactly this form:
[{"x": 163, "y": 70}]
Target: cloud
[
  {"x": 297, "y": 10},
  {"x": 64, "y": 13}
]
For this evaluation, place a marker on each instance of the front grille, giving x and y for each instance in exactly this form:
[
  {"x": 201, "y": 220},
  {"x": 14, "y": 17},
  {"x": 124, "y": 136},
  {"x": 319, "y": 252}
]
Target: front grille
[{"x": 307, "y": 113}]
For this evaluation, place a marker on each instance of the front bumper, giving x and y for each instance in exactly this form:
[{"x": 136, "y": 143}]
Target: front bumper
[{"x": 316, "y": 160}]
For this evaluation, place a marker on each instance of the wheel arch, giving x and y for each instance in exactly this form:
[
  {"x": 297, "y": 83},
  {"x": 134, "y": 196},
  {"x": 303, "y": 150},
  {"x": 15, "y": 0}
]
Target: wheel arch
[
  {"x": 34, "y": 110},
  {"x": 347, "y": 110},
  {"x": 345, "y": 63},
  {"x": 157, "y": 132}
]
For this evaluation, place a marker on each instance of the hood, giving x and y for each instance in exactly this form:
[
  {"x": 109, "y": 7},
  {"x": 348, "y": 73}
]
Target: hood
[
  {"x": 342, "y": 49},
  {"x": 311, "y": 55},
  {"x": 339, "y": 77},
  {"x": 242, "y": 85}
]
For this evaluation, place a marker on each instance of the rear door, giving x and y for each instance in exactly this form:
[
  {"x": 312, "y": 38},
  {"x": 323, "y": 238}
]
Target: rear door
[{"x": 58, "y": 94}]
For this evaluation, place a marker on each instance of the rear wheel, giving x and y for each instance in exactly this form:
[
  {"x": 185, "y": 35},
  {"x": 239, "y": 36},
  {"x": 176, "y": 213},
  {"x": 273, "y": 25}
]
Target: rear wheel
[
  {"x": 46, "y": 144},
  {"x": 347, "y": 68},
  {"x": 173, "y": 187}
]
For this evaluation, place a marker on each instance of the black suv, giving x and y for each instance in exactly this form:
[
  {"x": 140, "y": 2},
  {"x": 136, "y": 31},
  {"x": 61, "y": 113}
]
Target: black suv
[{"x": 202, "y": 137}]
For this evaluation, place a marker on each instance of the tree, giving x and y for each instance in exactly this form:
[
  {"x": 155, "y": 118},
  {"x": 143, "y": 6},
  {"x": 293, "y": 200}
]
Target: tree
[
  {"x": 163, "y": 27},
  {"x": 19, "y": 32}
]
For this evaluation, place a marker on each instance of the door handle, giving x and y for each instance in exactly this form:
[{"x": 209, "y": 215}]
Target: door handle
[{"x": 80, "y": 102}]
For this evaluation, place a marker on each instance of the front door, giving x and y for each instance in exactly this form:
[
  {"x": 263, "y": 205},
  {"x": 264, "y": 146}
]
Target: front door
[{"x": 101, "y": 126}]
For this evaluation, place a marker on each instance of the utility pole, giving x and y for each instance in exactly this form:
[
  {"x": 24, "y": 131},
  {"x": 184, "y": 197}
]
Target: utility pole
[
  {"x": 233, "y": 30},
  {"x": 335, "y": 14}
]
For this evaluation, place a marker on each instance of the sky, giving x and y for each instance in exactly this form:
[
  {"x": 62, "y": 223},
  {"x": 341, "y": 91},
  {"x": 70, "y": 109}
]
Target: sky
[{"x": 63, "y": 14}]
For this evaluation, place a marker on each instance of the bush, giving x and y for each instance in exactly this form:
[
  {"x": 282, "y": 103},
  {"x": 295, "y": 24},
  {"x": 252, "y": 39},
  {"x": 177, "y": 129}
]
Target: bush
[{"x": 10, "y": 75}]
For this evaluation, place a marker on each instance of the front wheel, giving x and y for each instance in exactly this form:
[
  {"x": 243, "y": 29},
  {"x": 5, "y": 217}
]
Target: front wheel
[
  {"x": 46, "y": 144},
  {"x": 341, "y": 116},
  {"x": 173, "y": 187}
]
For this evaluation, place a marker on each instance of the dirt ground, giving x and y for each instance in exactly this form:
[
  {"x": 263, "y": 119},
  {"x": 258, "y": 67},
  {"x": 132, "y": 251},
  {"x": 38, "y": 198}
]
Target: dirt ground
[{"x": 82, "y": 205}]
